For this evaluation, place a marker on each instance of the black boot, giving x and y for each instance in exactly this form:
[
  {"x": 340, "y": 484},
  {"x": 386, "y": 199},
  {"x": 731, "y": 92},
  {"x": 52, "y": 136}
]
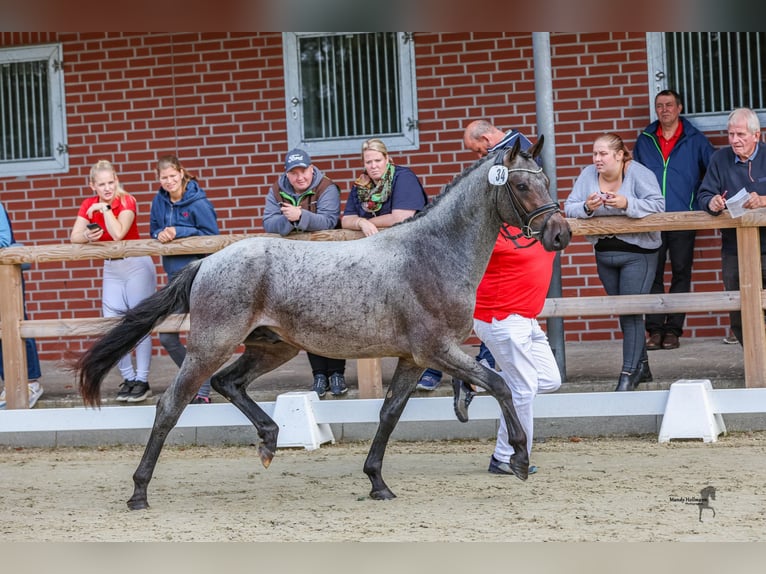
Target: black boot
[
  {"x": 645, "y": 374},
  {"x": 628, "y": 381}
]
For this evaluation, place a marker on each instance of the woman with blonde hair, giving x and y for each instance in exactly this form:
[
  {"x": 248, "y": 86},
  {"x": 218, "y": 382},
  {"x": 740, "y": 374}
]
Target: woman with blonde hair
[
  {"x": 110, "y": 215},
  {"x": 615, "y": 184},
  {"x": 384, "y": 194}
]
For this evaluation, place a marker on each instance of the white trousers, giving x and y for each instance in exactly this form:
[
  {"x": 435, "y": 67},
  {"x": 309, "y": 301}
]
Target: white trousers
[
  {"x": 127, "y": 282},
  {"x": 527, "y": 364}
]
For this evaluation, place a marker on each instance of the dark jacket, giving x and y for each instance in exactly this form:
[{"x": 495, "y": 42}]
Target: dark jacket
[
  {"x": 681, "y": 175},
  {"x": 724, "y": 174},
  {"x": 192, "y": 215}
]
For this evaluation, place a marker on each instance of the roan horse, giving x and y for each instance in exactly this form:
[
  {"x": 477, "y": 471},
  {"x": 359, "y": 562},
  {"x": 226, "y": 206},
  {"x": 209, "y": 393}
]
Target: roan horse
[{"x": 407, "y": 292}]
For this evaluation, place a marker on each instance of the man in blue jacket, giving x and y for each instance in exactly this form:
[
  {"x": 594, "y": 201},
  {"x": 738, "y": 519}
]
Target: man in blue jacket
[{"x": 678, "y": 154}]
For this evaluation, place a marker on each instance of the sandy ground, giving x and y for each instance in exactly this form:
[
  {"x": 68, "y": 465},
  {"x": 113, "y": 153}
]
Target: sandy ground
[{"x": 624, "y": 489}]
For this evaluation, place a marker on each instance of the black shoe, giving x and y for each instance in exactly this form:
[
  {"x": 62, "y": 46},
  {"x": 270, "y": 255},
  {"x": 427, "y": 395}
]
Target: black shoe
[
  {"x": 338, "y": 385},
  {"x": 628, "y": 381},
  {"x": 139, "y": 392},
  {"x": 463, "y": 396},
  {"x": 321, "y": 384},
  {"x": 124, "y": 392}
]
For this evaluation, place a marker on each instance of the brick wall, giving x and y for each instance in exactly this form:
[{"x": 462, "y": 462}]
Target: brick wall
[{"x": 217, "y": 101}]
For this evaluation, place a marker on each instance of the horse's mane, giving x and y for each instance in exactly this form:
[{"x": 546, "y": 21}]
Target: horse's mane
[
  {"x": 447, "y": 188},
  {"x": 458, "y": 178}
]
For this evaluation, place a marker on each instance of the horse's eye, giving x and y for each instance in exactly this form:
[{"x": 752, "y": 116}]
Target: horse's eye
[{"x": 522, "y": 187}]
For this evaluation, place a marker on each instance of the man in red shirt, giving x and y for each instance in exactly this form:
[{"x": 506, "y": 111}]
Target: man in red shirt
[{"x": 510, "y": 297}]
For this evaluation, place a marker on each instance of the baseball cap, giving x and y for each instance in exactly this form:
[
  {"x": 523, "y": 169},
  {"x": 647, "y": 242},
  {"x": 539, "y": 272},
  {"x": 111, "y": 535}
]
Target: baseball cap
[{"x": 297, "y": 158}]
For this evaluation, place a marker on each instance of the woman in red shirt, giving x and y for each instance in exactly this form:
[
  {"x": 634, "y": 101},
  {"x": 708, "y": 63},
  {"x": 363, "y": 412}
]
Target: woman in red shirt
[{"x": 110, "y": 215}]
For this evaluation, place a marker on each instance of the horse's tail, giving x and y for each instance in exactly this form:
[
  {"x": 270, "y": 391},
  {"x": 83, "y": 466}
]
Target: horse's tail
[{"x": 136, "y": 323}]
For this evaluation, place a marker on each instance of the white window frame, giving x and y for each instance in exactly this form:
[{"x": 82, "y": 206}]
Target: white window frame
[
  {"x": 407, "y": 139},
  {"x": 658, "y": 81},
  {"x": 58, "y": 160}
]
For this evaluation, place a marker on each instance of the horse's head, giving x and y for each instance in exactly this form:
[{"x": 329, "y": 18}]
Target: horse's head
[{"x": 523, "y": 199}]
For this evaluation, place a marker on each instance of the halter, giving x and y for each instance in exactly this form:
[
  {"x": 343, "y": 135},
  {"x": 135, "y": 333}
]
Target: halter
[{"x": 525, "y": 216}]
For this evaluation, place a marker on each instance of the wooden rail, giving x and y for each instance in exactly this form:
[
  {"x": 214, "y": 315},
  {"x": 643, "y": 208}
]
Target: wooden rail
[{"x": 750, "y": 299}]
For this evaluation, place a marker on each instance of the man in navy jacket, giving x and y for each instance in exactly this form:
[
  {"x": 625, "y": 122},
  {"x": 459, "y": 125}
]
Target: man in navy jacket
[{"x": 678, "y": 154}]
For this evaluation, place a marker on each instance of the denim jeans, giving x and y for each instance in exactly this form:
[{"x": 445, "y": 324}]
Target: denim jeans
[{"x": 626, "y": 273}]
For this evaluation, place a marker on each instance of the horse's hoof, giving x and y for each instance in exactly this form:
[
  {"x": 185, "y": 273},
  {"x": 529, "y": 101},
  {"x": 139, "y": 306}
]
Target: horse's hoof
[
  {"x": 138, "y": 504},
  {"x": 383, "y": 494},
  {"x": 266, "y": 455},
  {"x": 519, "y": 469}
]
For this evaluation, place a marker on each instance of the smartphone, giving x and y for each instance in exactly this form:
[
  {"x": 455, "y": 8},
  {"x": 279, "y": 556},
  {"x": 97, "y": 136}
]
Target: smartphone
[{"x": 94, "y": 226}]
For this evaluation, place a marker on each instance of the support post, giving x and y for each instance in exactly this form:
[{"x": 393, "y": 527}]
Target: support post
[
  {"x": 370, "y": 376},
  {"x": 751, "y": 304},
  {"x": 14, "y": 350}
]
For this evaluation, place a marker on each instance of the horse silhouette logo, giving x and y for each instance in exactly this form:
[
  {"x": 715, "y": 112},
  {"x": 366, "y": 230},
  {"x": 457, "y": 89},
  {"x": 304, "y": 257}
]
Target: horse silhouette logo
[{"x": 706, "y": 494}]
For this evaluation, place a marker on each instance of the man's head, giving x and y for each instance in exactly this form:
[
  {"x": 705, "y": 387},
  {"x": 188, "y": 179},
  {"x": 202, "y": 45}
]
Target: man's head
[
  {"x": 744, "y": 130},
  {"x": 668, "y": 106},
  {"x": 480, "y": 136},
  {"x": 299, "y": 170}
]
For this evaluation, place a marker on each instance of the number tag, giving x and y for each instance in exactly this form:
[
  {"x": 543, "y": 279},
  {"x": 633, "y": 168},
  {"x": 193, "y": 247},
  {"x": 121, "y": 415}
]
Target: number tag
[{"x": 498, "y": 175}]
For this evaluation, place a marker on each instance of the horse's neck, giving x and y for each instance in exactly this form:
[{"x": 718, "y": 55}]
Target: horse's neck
[{"x": 463, "y": 227}]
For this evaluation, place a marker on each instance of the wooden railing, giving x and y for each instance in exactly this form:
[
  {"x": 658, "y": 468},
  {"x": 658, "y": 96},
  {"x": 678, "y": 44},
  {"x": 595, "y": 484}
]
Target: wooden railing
[{"x": 750, "y": 298}]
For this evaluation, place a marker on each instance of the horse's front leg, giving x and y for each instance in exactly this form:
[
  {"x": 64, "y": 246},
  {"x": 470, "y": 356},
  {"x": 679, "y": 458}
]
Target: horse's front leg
[
  {"x": 517, "y": 438},
  {"x": 402, "y": 384},
  {"x": 260, "y": 357}
]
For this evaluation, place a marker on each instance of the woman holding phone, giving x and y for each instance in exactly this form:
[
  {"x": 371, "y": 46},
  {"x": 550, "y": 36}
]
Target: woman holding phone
[{"x": 110, "y": 215}]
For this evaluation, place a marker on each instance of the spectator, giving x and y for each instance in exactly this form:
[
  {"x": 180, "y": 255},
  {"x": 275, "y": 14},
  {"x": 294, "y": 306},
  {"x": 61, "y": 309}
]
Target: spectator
[
  {"x": 180, "y": 209},
  {"x": 678, "y": 155},
  {"x": 34, "y": 388},
  {"x": 384, "y": 194},
  {"x": 742, "y": 165},
  {"x": 626, "y": 262},
  {"x": 481, "y": 137},
  {"x": 304, "y": 199},
  {"x": 110, "y": 215}
]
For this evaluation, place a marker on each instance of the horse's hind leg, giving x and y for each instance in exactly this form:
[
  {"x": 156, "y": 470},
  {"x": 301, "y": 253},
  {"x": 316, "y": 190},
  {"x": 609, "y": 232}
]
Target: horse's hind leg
[
  {"x": 403, "y": 383},
  {"x": 260, "y": 356}
]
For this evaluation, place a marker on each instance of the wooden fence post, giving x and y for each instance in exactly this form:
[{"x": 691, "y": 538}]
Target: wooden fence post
[
  {"x": 14, "y": 350},
  {"x": 750, "y": 286}
]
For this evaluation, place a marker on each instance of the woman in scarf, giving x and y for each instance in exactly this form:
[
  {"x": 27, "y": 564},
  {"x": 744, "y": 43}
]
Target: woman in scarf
[{"x": 384, "y": 194}]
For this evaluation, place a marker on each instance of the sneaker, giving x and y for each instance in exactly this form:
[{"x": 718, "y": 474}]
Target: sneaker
[
  {"x": 124, "y": 391},
  {"x": 463, "y": 395},
  {"x": 338, "y": 385},
  {"x": 497, "y": 467},
  {"x": 200, "y": 400},
  {"x": 139, "y": 392},
  {"x": 730, "y": 340},
  {"x": 321, "y": 384},
  {"x": 428, "y": 382},
  {"x": 35, "y": 392}
]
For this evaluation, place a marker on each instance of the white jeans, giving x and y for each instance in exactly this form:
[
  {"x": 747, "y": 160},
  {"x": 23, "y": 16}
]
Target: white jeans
[
  {"x": 127, "y": 282},
  {"x": 521, "y": 350}
]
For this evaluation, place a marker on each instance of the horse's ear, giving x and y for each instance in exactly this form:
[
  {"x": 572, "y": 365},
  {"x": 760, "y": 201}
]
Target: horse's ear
[
  {"x": 537, "y": 149},
  {"x": 512, "y": 152}
]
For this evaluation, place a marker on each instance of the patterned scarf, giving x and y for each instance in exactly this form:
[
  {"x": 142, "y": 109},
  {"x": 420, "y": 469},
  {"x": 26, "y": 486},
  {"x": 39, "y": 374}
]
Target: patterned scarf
[{"x": 372, "y": 197}]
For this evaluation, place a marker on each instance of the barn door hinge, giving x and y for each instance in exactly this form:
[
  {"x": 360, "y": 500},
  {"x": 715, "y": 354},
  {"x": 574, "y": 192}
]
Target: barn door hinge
[
  {"x": 407, "y": 37},
  {"x": 412, "y": 124},
  {"x": 58, "y": 65},
  {"x": 62, "y": 148}
]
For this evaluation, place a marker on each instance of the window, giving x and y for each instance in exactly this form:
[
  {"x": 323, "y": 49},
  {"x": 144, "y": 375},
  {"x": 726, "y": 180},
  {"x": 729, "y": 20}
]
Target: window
[
  {"x": 348, "y": 87},
  {"x": 714, "y": 72},
  {"x": 32, "y": 116}
]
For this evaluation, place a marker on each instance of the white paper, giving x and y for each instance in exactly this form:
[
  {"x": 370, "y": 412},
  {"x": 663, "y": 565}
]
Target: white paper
[{"x": 734, "y": 204}]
